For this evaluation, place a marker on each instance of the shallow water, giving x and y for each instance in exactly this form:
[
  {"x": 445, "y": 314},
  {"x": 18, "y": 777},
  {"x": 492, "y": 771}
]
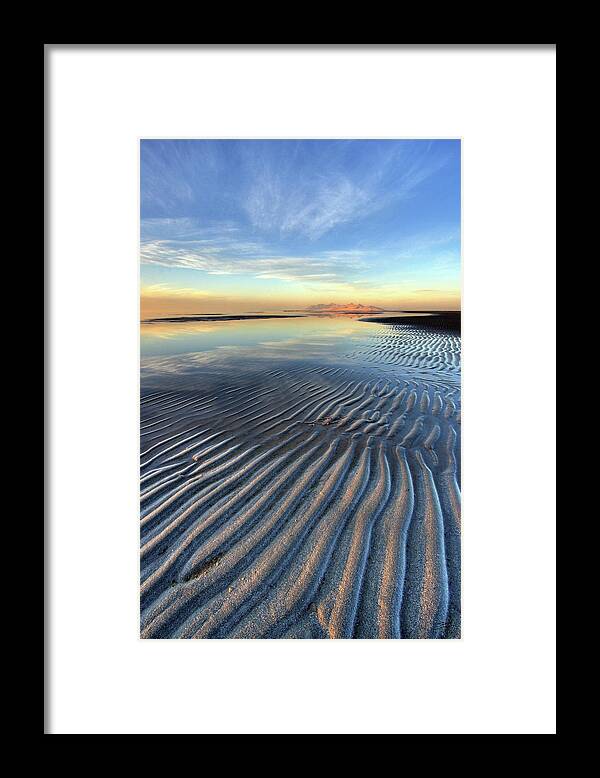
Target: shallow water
[
  {"x": 330, "y": 335},
  {"x": 189, "y": 351}
]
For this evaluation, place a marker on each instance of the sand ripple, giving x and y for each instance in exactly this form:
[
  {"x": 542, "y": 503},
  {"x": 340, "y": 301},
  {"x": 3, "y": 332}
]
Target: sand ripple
[{"x": 306, "y": 501}]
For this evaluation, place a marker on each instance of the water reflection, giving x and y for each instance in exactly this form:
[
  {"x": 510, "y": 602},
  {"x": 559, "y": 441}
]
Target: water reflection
[{"x": 329, "y": 333}]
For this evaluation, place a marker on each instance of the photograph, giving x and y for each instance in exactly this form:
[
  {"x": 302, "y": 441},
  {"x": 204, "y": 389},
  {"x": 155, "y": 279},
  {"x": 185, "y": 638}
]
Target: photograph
[{"x": 300, "y": 388}]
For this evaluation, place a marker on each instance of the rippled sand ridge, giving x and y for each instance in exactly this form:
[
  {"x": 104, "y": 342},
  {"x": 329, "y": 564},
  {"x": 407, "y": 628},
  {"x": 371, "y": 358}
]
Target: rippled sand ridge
[{"x": 308, "y": 492}]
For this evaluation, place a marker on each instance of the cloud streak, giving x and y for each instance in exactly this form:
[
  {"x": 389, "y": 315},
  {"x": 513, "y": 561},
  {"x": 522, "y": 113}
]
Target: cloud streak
[
  {"x": 337, "y": 193},
  {"x": 248, "y": 259}
]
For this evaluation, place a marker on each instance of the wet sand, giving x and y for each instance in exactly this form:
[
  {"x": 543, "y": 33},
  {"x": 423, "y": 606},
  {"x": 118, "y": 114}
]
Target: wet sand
[{"x": 304, "y": 497}]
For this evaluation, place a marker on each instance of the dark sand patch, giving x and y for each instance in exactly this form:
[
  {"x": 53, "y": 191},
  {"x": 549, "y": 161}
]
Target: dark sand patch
[{"x": 448, "y": 321}]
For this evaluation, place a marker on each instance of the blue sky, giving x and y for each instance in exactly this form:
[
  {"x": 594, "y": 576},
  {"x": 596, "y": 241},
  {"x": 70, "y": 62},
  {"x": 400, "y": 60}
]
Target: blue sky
[{"x": 240, "y": 224}]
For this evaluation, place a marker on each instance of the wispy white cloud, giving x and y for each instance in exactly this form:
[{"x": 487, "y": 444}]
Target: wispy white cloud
[
  {"x": 315, "y": 205},
  {"x": 171, "y": 290},
  {"x": 309, "y": 209},
  {"x": 342, "y": 271},
  {"x": 231, "y": 258}
]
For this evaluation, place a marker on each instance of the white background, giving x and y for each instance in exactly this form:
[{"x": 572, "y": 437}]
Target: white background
[{"x": 500, "y": 677}]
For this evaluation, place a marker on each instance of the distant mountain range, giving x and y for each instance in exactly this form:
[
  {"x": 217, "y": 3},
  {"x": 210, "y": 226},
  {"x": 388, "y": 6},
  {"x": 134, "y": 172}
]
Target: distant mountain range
[{"x": 344, "y": 308}]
